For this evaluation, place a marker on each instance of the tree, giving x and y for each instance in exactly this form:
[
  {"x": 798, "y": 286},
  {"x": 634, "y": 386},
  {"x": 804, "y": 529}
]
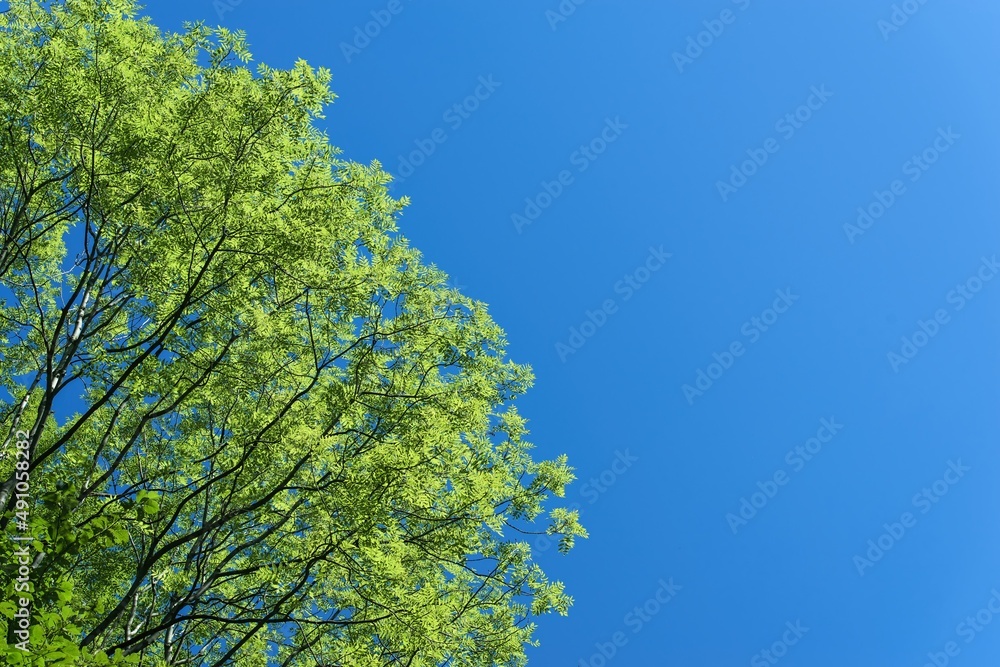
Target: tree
[{"x": 243, "y": 422}]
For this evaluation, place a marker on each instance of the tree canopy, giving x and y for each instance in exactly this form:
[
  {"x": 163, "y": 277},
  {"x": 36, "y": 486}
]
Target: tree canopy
[{"x": 244, "y": 423}]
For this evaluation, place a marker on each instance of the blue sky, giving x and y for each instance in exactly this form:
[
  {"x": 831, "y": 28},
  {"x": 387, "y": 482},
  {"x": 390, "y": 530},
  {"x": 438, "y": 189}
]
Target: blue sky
[{"x": 739, "y": 138}]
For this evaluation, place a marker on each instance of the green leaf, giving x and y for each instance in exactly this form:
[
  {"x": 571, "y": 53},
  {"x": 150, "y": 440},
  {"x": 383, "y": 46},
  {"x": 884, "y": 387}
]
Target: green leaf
[{"x": 287, "y": 410}]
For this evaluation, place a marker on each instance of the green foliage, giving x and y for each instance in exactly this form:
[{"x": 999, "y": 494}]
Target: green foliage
[{"x": 297, "y": 444}]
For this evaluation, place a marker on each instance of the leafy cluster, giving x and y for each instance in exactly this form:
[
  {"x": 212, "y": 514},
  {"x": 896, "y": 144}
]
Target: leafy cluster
[{"x": 261, "y": 431}]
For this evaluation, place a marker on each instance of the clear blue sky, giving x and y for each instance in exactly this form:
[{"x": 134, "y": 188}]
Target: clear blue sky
[{"x": 903, "y": 113}]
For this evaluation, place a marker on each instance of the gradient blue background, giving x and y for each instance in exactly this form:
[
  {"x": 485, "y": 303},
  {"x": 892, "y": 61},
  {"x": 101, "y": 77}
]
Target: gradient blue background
[{"x": 665, "y": 516}]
